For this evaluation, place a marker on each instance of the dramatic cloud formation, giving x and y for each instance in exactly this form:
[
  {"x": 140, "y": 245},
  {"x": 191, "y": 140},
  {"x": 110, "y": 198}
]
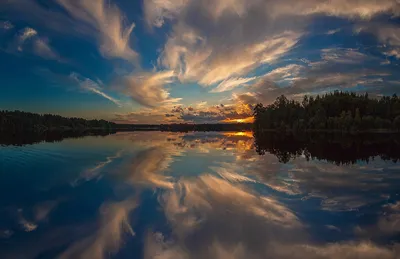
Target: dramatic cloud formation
[
  {"x": 107, "y": 20},
  {"x": 148, "y": 88},
  {"x": 163, "y": 53},
  {"x": 206, "y": 224},
  {"x": 98, "y": 19}
]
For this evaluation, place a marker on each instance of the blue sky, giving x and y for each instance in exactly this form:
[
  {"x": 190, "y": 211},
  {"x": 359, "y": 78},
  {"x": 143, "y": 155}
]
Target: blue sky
[{"x": 158, "y": 61}]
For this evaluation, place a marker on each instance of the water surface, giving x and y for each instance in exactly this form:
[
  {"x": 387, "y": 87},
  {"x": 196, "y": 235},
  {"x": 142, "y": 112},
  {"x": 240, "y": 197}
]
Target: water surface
[{"x": 199, "y": 195}]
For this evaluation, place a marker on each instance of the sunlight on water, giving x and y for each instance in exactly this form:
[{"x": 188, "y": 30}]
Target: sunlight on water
[{"x": 199, "y": 195}]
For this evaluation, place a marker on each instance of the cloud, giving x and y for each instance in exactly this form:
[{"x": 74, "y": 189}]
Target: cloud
[
  {"x": 343, "y": 55},
  {"x": 202, "y": 207},
  {"x": 91, "y": 86},
  {"x": 215, "y": 114},
  {"x": 205, "y": 223},
  {"x": 148, "y": 167},
  {"x": 6, "y": 25},
  {"x": 336, "y": 69},
  {"x": 95, "y": 172},
  {"x": 388, "y": 223},
  {"x": 167, "y": 10},
  {"x": 207, "y": 64},
  {"x": 98, "y": 19},
  {"x": 42, "y": 48},
  {"x": 212, "y": 197},
  {"x": 28, "y": 40},
  {"x": 157, "y": 11},
  {"x": 26, "y": 34},
  {"x": 147, "y": 88},
  {"x": 199, "y": 113},
  {"x": 108, "y": 237},
  {"x": 201, "y": 104},
  {"x": 386, "y": 33},
  {"x": 266, "y": 91},
  {"x": 226, "y": 40},
  {"x": 289, "y": 72},
  {"x": 231, "y": 83},
  {"x": 331, "y": 32},
  {"x": 107, "y": 20}
]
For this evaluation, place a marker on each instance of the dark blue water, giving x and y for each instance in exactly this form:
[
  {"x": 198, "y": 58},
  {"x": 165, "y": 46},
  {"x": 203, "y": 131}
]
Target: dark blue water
[{"x": 194, "y": 195}]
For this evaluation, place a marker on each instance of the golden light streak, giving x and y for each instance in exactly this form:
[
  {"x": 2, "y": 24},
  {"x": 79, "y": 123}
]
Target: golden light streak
[{"x": 244, "y": 120}]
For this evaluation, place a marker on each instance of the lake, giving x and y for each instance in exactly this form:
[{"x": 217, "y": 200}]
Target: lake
[{"x": 222, "y": 195}]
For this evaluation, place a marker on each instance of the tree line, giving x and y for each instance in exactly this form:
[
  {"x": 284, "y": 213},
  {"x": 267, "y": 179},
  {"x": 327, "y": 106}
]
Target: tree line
[
  {"x": 340, "y": 111},
  {"x": 19, "y": 121}
]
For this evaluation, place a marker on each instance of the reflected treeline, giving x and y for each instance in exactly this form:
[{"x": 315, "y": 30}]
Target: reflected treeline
[
  {"x": 18, "y": 139},
  {"x": 333, "y": 147}
]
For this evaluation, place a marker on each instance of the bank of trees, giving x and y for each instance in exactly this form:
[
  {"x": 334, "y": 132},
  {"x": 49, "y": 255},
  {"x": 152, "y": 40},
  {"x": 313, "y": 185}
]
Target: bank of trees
[
  {"x": 18, "y": 121},
  {"x": 334, "y": 111}
]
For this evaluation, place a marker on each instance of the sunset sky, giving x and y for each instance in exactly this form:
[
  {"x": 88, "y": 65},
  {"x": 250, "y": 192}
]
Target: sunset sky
[{"x": 195, "y": 61}]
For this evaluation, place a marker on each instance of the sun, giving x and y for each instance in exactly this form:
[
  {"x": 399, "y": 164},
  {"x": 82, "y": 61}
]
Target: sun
[{"x": 240, "y": 120}]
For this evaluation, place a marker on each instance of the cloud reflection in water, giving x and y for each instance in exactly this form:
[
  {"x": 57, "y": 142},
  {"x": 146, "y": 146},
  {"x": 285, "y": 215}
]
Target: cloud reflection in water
[{"x": 230, "y": 203}]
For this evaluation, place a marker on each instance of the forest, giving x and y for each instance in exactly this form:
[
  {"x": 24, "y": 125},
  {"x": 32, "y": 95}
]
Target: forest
[
  {"x": 336, "y": 111},
  {"x": 18, "y": 121}
]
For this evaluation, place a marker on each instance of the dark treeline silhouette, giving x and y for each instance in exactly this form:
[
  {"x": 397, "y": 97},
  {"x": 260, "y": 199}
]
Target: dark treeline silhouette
[
  {"x": 339, "y": 111},
  {"x": 18, "y": 121},
  {"x": 206, "y": 127},
  {"x": 334, "y": 147},
  {"x": 28, "y": 138}
]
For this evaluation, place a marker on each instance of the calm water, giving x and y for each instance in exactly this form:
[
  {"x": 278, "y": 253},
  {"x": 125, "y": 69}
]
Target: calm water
[{"x": 196, "y": 195}]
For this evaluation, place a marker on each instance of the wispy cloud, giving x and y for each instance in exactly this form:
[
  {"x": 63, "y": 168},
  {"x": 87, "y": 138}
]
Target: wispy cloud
[
  {"x": 112, "y": 226},
  {"x": 289, "y": 72},
  {"x": 147, "y": 88},
  {"x": 331, "y": 32},
  {"x": 106, "y": 20},
  {"x": 42, "y": 48},
  {"x": 6, "y": 25},
  {"x": 100, "y": 20},
  {"x": 91, "y": 86},
  {"x": 231, "y": 83},
  {"x": 26, "y": 34}
]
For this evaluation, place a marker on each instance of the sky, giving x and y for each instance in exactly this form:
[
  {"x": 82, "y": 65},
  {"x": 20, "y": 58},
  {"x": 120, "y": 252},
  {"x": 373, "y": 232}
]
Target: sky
[{"x": 191, "y": 61}]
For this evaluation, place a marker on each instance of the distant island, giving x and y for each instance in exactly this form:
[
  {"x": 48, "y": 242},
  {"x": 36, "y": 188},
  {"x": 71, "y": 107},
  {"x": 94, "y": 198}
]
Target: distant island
[
  {"x": 337, "y": 111},
  {"x": 22, "y": 122}
]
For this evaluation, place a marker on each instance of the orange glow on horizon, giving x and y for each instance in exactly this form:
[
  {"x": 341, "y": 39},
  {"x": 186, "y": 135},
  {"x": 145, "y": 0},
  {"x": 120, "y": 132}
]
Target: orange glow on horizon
[{"x": 245, "y": 120}]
